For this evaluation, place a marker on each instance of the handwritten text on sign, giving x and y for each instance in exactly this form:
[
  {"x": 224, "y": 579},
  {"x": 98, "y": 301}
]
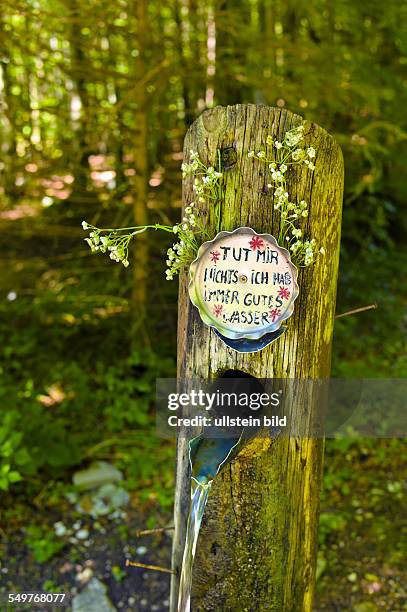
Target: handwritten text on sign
[{"x": 243, "y": 283}]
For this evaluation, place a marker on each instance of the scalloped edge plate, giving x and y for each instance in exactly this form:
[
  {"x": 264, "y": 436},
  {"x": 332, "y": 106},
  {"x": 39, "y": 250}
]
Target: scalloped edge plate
[{"x": 223, "y": 330}]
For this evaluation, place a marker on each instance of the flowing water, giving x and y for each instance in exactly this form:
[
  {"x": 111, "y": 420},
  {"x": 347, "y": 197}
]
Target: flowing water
[{"x": 199, "y": 497}]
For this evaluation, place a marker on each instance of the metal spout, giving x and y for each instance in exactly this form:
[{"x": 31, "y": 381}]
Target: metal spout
[{"x": 212, "y": 449}]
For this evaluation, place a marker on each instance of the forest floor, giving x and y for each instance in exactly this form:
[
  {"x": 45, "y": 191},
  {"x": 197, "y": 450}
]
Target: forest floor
[
  {"x": 361, "y": 562},
  {"x": 361, "y": 559},
  {"x": 102, "y": 555}
]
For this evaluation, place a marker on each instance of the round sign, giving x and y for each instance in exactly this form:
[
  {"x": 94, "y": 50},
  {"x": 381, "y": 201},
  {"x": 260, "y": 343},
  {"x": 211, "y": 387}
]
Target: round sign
[{"x": 243, "y": 284}]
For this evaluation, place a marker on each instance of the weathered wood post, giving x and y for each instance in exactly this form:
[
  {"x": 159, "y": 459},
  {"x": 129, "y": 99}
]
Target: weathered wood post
[{"x": 257, "y": 546}]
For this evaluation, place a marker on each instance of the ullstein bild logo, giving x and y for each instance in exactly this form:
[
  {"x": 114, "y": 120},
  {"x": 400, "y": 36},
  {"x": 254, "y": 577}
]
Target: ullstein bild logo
[{"x": 227, "y": 421}]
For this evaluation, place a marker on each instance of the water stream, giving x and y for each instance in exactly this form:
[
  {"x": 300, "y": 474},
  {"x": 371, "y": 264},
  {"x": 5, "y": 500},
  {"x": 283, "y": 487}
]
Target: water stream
[
  {"x": 207, "y": 456},
  {"x": 199, "y": 497}
]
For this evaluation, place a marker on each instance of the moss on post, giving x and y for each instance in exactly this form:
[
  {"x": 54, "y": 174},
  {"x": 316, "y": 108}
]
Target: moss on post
[{"x": 257, "y": 547}]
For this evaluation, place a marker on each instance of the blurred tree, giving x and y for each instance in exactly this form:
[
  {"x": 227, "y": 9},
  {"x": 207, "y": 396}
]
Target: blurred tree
[
  {"x": 8, "y": 123},
  {"x": 140, "y": 146},
  {"x": 80, "y": 71}
]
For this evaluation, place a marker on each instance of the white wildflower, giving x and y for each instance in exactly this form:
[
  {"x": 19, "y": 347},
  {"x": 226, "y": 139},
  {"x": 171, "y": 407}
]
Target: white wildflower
[
  {"x": 297, "y": 154},
  {"x": 308, "y": 259},
  {"x": 295, "y": 246},
  {"x": 90, "y": 243},
  {"x": 294, "y": 136},
  {"x": 277, "y": 176}
]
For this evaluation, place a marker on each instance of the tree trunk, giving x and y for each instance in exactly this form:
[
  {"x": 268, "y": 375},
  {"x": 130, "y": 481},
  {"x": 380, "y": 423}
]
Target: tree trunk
[
  {"x": 232, "y": 53},
  {"x": 257, "y": 546},
  {"x": 83, "y": 196},
  {"x": 141, "y": 178}
]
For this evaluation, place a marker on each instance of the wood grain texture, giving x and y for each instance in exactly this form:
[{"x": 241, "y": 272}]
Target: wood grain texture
[{"x": 257, "y": 546}]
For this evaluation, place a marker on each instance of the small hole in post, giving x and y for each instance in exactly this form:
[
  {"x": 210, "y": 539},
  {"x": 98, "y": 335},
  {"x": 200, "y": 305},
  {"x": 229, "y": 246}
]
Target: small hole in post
[
  {"x": 228, "y": 158},
  {"x": 236, "y": 383}
]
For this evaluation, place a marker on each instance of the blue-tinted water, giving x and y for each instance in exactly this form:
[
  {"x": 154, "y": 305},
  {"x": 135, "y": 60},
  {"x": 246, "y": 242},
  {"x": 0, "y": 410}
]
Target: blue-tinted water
[{"x": 199, "y": 497}]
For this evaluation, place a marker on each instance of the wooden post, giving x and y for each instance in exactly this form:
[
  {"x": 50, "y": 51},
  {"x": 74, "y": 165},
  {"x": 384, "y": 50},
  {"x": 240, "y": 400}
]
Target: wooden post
[{"x": 257, "y": 546}]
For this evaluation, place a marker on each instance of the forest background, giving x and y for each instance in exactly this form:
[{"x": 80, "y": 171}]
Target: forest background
[{"x": 95, "y": 100}]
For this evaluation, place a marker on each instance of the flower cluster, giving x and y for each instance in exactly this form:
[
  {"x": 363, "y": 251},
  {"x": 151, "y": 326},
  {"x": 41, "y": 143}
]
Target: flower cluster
[
  {"x": 116, "y": 242},
  {"x": 208, "y": 181},
  {"x": 207, "y": 186},
  {"x": 182, "y": 252},
  {"x": 113, "y": 243},
  {"x": 288, "y": 153}
]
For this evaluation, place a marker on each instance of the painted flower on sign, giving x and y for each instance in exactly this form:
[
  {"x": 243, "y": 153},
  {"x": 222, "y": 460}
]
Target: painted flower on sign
[
  {"x": 217, "y": 310},
  {"x": 274, "y": 314},
  {"x": 256, "y": 243},
  {"x": 283, "y": 292}
]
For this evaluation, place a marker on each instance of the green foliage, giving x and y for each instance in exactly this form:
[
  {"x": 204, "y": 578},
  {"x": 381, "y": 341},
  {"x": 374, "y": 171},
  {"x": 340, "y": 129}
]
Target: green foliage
[
  {"x": 360, "y": 527},
  {"x": 118, "y": 573},
  {"x": 71, "y": 407},
  {"x": 13, "y": 455},
  {"x": 50, "y": 586},
  {"x": 42, "y": 542},
  {"x": 371, "y": 344},
  {"x": 330, "y": 522}
]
